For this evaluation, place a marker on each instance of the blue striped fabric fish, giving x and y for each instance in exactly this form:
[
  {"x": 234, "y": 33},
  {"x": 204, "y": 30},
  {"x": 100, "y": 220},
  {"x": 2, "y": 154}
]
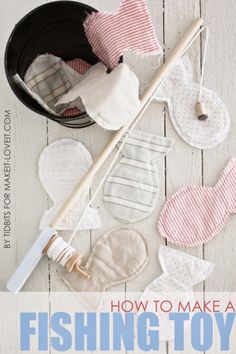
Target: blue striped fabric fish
[
  {"x": 47, "y": 79},
  {"x": 132, "y": 188}
]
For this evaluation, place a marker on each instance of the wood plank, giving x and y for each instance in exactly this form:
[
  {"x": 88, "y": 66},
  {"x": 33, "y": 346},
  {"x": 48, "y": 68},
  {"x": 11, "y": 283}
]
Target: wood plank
[
  {"x": 94, "y": 139},
  {"x": 152, "y": 122},
  {"x": 28, "y": 138},
  {"x": 220, "y": 71},
  {"x": 178, "y": 16}
]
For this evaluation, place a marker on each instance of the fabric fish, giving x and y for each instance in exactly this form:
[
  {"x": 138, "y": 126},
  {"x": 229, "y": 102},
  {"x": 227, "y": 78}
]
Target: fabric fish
[
  {"x": 132, "y": 188},
  {"x": 181, "y": 272},
  {"x": 195, "y": 214},
  {"x": 131, "y": 28}
]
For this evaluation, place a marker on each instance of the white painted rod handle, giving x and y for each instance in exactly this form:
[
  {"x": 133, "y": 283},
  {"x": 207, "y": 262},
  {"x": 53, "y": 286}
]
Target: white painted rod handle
[
  {"x": 30, "y": 261},
  {"x": 146, "y": 98}
]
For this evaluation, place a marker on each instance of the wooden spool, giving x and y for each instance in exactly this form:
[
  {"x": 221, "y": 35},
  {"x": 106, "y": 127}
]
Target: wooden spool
[
  {"x": 201, "y": 111},
  {"x": 73, "y": 262}
]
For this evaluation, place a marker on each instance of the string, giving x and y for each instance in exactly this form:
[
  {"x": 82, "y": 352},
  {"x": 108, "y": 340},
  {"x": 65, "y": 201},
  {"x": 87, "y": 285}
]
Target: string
[
  {"x": 131, "y": 128},
  {"x": 204, "y": 62}
]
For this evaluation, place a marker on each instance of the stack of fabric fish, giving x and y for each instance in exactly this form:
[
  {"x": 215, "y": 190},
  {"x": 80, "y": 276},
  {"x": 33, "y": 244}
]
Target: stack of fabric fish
[{"x": 111, "y": 99}]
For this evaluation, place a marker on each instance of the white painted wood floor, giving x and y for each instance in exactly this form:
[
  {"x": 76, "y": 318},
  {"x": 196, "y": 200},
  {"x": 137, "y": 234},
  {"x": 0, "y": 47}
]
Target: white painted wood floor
[{"x": 184, "y": 165}]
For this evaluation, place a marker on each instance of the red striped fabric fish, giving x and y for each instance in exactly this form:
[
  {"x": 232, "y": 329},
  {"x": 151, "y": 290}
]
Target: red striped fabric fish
[
  {"x": 81, "y": 67},
  {"x": 194, "y": 215},
  {"x": 131, "y": 28}
]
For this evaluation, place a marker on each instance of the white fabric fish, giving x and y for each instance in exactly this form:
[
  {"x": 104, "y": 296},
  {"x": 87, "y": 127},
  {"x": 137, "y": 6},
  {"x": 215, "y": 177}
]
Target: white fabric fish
[
  {"x": 110, "y": 99},
  {"x": 62, "y": 164}
]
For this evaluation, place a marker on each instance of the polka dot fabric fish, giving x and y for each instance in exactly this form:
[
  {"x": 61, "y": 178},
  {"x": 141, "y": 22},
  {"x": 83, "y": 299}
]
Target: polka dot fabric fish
[
  {"x": 132, "y": 188},
  {"x": 181, "y": 95},
  {"x": 181, "y": 272}
]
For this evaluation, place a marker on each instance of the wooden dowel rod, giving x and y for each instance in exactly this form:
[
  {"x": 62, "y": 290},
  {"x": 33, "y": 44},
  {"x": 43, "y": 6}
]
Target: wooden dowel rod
[{"x": 146, "y": 98}]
